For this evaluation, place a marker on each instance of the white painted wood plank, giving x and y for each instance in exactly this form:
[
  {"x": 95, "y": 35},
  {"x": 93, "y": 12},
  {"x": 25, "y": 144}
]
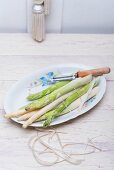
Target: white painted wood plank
[
  {"x": 88, "y": 16},
  {"x": 13, "y": 16},
  {"x": 53, "y": 20},
  {"x": 57, "y": 44}
]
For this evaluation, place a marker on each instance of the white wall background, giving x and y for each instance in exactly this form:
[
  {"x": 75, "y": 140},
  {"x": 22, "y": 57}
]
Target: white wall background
[{"x": 72, "y": 16}]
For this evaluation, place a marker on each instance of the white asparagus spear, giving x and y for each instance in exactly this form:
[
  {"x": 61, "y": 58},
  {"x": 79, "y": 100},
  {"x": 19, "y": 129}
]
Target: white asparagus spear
[
  {"x": 17, "y": 113},
  {"x": 26, "y": 116}
]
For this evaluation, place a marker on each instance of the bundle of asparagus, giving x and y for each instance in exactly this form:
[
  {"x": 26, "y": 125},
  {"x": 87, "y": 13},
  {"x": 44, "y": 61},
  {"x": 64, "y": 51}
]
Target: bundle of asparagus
[{"x": 55, "y": 101}]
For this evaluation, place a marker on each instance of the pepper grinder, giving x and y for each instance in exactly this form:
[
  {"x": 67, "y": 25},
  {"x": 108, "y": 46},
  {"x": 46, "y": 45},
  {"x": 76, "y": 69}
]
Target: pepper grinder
[{"x": 40, "y": 9}]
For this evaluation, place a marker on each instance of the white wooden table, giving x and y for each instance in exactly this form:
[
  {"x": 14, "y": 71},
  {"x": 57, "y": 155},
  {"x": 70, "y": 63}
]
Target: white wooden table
[{"x": 20, "y": 55}]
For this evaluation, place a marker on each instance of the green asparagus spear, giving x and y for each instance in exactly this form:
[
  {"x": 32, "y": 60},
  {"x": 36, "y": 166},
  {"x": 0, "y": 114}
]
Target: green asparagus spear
[
  {"x": 57, "y": 93},
  {"x": 47, "y": 91},
  {"x": 55, "y": 113}
]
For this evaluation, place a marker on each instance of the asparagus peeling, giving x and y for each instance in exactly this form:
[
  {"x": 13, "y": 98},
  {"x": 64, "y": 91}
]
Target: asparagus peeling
[
  {"x": 47, "y": 90},
  {"x": 38, "y": 104}
]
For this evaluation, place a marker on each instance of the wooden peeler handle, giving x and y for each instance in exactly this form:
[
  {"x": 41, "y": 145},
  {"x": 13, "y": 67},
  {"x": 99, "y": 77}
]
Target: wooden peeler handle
[{"x": 94, "y": 72}]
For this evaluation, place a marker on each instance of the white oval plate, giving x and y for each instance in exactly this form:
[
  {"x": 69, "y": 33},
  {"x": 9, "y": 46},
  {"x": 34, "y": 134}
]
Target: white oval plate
[{"x": 16, "y": 97}]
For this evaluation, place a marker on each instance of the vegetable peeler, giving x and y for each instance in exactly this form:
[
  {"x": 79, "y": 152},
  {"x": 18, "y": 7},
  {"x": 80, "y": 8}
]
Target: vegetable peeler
[{"x": 83, "y": 73}]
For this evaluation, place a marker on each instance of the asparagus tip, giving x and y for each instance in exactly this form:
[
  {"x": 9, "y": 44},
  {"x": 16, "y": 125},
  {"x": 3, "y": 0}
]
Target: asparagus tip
[
  {"x": 28, "y": 98},
  {"x": 48, "y": 121},
  {"x": 6, "y": 116},
  {"x": 24, "y": 126},
  {"x": 28, "y": 108},
  {"x": 9, "y": 115}
]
